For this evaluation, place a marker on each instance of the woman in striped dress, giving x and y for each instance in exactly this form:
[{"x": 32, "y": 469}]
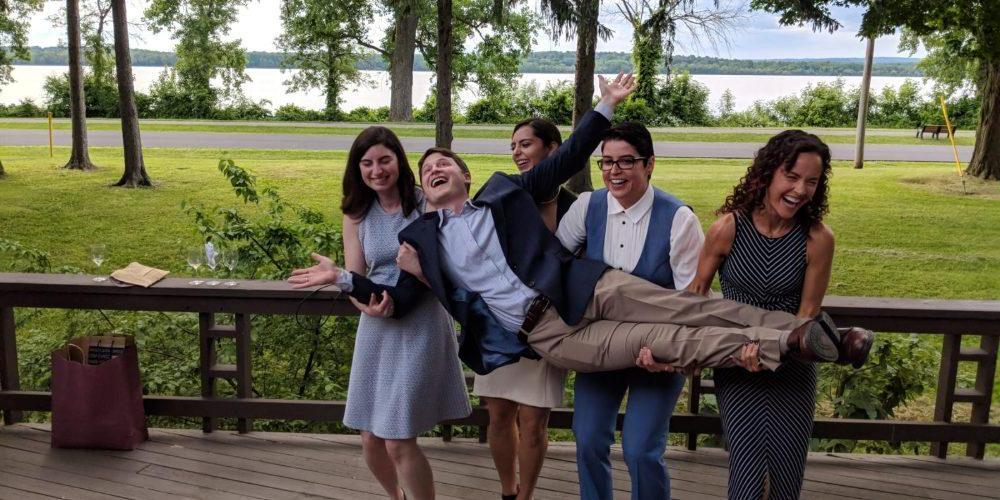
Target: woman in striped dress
[{"x": 773, "y": 251}]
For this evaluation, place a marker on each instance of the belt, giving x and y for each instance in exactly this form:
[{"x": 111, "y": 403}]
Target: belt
[{"x": 534, "y": 314}]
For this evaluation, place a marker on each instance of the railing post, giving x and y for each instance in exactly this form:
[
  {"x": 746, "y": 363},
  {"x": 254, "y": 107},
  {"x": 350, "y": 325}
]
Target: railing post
[
  {"x": 945, "y": 401},
  {"x": 244, "y": 382},
  {"x": 694, "y": 405},
  {"x": 9, "y": 380},
  {"x": 211, "y": 369},
  {"x": 206, "y": 322},
  {"x": 985, "y": 376}
]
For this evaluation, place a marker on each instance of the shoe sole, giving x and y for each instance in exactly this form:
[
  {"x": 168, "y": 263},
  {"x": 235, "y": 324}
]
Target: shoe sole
[
  {"x": 821, "y": 344},
  {"x": 866, "y": 349},
  {"x": 831, "y": 330}
]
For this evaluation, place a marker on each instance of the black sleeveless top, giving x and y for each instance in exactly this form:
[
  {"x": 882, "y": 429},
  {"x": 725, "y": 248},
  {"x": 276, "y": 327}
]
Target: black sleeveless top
[{"x": 765, "y": 272}]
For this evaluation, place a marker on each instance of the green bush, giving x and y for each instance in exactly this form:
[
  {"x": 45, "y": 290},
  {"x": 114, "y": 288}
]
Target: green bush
[
  {"x": 24, "y": 109},
  {"x": 899, "y": 368},
  {"x": 826, "y": 105},
  {"x": 293, "y": 113},
  {"x": 367, "y": 115},
  {"x": 425, "y": 113},
  {"x": 243, "y": 108},
  {"x": 681, "y": 101}
]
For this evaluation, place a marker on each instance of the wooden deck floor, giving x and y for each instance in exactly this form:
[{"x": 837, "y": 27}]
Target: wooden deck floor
[{"x": 273, "y": 466}]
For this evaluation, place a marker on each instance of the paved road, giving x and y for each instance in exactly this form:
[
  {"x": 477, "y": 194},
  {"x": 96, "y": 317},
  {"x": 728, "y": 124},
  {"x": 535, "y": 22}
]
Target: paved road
[{"x": 893, "y": 152}]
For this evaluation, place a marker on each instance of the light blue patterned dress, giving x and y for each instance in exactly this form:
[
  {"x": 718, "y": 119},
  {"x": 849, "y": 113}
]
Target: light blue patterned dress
[{"x": 405, "y": 375}]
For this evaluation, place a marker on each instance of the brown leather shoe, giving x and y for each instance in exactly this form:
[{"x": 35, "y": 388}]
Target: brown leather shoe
[
  {"x": 812, "y": 342},
  {"x": 855, "y": 344}
]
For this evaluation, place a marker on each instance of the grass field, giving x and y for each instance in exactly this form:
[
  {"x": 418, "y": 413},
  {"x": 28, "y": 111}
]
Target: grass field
[
  {"x": 902, "y": 229},
  {"x": 477, "y": 132}
]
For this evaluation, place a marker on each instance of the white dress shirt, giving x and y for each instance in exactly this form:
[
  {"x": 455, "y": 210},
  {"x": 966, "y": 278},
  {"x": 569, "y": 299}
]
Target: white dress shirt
[{"x": 625, "y": 235}]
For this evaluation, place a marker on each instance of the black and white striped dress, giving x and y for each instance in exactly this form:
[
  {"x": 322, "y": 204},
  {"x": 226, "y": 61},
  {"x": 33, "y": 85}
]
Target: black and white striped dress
[{"x": 767, "y": 417}]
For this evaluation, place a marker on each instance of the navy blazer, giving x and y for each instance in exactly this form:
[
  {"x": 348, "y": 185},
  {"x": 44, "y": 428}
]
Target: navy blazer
[{"x": 533, "y": 253}]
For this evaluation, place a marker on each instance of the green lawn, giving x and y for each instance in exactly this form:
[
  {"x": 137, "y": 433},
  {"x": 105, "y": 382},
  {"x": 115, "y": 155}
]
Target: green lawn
[
  {"x": 902, "y": 229},
  {"x": 471, "y": 132}
]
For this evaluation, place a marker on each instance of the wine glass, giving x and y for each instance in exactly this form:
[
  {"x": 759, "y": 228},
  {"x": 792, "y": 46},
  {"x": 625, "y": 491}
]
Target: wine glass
[
  {"x": 211, "y": 260},
  {"x": 229, "y": 258},
  {"x": 97, "y": 257},
  {"x": 195, "y": 257}
]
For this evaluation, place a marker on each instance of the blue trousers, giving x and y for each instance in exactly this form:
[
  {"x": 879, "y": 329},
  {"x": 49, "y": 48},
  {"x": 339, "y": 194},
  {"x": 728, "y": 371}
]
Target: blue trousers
[{"x": 651, "y": 400}]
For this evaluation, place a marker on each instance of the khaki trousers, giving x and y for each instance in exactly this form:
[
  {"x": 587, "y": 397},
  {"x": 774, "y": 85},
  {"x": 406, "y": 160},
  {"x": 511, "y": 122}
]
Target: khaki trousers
[{"x": 682, "y": 329}]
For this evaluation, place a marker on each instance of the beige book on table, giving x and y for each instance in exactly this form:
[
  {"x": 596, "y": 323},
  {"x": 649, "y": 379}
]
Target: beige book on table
[{"x": 138, "y": 274}]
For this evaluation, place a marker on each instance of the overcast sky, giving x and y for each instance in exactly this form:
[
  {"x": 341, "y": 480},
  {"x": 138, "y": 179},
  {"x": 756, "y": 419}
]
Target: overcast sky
[{"x": 759, "y": 35}]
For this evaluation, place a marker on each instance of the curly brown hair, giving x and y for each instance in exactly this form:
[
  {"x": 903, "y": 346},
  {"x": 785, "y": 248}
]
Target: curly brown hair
[{"x": 783, "y": 151}]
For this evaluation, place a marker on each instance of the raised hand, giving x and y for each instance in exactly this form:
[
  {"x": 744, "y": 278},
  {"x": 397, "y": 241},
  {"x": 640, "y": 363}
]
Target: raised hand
[
  {"x": 615, "y": 91},
  {"x": 323, "y": 273}
]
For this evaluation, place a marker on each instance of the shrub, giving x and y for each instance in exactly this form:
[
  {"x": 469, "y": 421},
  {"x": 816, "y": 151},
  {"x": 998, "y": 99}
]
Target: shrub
[
  {"x": 681, "y": 101},
  {"x": 425, "y": 113},
  {"x": 293, "y": 113},
  {"x": 367, "y": 115},
  {"x": 243, "y": 108},
  {"x": 24, "y": 109}
]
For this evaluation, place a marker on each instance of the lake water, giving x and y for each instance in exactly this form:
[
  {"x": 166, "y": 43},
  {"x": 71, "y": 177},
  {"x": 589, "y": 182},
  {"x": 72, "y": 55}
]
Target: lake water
[{"x": 268, "y": 84}]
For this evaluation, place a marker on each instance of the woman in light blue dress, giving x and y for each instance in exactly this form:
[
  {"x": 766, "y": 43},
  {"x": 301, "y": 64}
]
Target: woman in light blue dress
[{"x": 405, "y": 375}]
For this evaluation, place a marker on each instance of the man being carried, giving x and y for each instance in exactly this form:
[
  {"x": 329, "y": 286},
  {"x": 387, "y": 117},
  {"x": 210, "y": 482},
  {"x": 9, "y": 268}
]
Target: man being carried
[{"x": 507, "y": 280}]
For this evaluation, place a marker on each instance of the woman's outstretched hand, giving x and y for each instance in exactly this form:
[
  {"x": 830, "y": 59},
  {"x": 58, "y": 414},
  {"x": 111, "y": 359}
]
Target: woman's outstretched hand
[
  {"x": 324, "y": 272},
  {"x": 615, "y": 91}
]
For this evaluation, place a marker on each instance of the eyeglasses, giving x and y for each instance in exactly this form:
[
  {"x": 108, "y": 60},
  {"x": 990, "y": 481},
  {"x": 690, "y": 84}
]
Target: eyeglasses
[{"x": 625, "y": 163}]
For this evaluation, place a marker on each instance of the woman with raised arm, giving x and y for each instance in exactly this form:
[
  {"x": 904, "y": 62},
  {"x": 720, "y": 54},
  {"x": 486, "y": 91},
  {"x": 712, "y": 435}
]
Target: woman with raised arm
[
  {"x": 520, "y": 396},
  {"x": 405, "y": 375}
]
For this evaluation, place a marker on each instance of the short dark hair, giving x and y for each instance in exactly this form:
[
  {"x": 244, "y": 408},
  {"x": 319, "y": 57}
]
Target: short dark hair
[
  {"x": 634, "y": 133},
  {"x": 544, "y": 130},
  {"x": 446, "y": 153},
  {"x": 357, "y": 195}
]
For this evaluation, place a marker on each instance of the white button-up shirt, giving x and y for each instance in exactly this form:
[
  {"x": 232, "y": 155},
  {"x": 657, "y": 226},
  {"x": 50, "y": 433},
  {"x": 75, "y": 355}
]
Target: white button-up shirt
[
  {"x": 626, "y": 231},
  {"x": 473, "y": 260}
]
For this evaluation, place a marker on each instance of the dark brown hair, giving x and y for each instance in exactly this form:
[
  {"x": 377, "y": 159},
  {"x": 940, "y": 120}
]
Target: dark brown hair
[
  {"x": 357, "y": 195},
  {"x": 543, "y": 129},
  {"x": 782, "y": 151},
  {"x": 446, "y": 153}
]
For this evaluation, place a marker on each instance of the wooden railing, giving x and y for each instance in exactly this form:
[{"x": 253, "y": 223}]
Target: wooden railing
[{"x": 951, "y": 318}]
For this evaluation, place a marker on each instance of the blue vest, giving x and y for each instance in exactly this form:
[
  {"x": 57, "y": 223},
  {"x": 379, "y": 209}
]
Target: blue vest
[{"x": 654, "y": 262}]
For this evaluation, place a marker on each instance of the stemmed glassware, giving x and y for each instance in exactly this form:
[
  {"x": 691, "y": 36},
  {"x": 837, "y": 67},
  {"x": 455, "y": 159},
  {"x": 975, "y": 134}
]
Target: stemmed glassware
[
  {"x": 229, "y": 258},
  {"x": 195, "y": 257},
  {"x": 97, "y": 257},
  {"x": 212, "y": 261}
]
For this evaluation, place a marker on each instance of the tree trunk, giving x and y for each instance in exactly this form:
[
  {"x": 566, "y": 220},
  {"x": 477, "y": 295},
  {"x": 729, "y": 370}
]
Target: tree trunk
[
  {"x": 986, "y": 156},
  {"x": 332, "y": 86},
  {"x": 586, "y": 46},
  {"x": 135, "y": 169},
  {"x": 443, "y": 133},
  {"x": 866, "y": 83},
  {"x": 2, "y": 173},
  {"x": 401, "y": 63},
  {"x": 80, "y": 157}
]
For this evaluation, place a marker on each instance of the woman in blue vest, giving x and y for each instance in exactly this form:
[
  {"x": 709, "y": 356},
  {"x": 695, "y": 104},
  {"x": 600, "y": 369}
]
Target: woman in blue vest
[
  {"x": 640, "y": 229},
  {"x": 519, "y": 397}
]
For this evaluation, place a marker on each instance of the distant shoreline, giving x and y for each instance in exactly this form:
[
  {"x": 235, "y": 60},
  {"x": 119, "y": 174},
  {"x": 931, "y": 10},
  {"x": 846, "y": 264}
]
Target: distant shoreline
[{"x": 564, "y": 62}]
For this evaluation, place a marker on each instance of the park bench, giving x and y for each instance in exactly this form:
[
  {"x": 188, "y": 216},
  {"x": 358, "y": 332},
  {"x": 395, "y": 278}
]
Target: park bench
[{"x": 934, "y": 130}]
